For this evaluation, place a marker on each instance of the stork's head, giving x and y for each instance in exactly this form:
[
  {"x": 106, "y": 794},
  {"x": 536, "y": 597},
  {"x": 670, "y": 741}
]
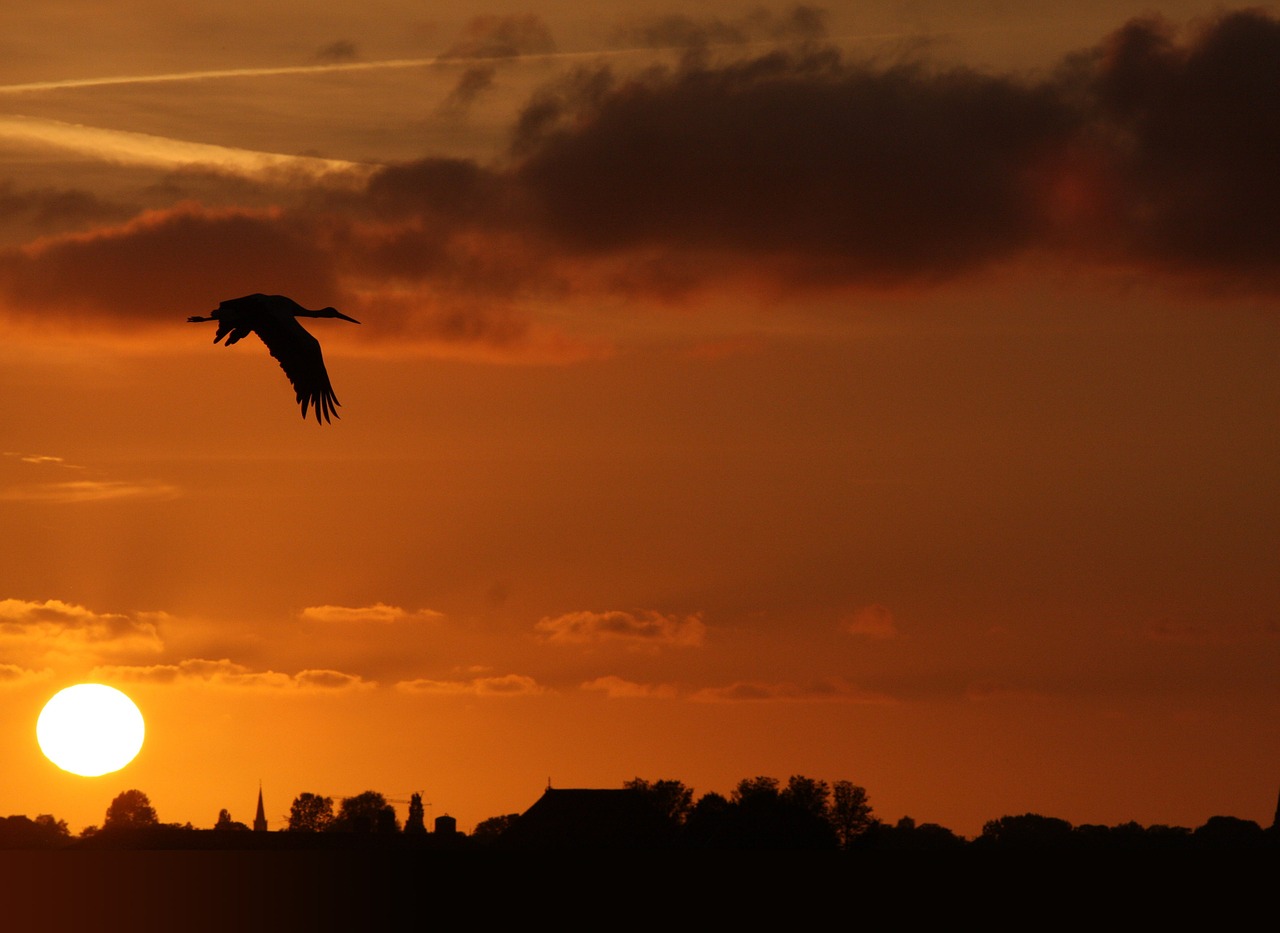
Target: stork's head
[{"x": 333, "y": 312}]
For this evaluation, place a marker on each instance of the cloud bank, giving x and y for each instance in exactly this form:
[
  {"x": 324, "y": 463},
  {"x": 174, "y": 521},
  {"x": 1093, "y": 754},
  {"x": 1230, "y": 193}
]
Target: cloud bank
[
  {"x": 635, "y": 629},
  {"x": 56, "y": 630},
  {"x": 794, "y": 169}
]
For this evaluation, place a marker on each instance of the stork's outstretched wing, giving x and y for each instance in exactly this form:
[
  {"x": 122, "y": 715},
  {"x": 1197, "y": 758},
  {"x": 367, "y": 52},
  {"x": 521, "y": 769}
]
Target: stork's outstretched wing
[{"x": 298, "y": 354}]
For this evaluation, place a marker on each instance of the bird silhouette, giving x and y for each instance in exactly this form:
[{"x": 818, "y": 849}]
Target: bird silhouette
[{"x": 274, "y": 319}]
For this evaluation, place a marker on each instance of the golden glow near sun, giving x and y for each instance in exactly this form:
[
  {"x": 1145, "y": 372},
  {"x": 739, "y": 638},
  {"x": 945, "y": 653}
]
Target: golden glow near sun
[{"x": 90, "y": 729}]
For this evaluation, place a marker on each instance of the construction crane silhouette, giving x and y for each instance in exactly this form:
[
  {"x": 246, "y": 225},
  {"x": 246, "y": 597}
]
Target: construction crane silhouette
[{"x": 274, "y": 318}]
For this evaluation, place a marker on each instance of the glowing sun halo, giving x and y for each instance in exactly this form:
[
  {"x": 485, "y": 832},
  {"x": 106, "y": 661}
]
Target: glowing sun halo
[{"x": 90, "y": 729}]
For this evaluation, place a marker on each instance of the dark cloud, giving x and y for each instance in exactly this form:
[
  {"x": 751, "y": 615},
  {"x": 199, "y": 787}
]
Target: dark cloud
[
  {"x": 1158, "y": 147},
  {"x": 682, "y": 31},
  {"x": 874, "y": 173},
  {"x": 45, "y": 211},
  {"x": 167, "y": 262},
  {"x": 1196, "y": 139},
  {"x": 342, "y": 50},
  {"x": 795, "y": 166},
  {"x": 471, "y": 84},
  {"x": 502, "y": 37}
]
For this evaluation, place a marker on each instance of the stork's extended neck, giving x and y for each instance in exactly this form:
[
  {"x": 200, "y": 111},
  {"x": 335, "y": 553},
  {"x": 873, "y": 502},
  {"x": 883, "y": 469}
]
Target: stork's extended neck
[{"x": 325, "y": 312}]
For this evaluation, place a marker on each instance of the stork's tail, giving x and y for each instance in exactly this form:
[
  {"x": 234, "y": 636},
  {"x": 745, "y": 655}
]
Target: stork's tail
[{"x": 196, "y": 319}]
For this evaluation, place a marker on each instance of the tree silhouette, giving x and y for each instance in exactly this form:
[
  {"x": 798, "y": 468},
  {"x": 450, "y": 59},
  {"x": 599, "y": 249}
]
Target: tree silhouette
[
  {"x": 1028, "y": 831},
  {"x": 760, "y": 790},
  {"x": 709, "y": 822},
  {"x": 905, "y": 834},
  {"x": 491, "y": 830},
  {"x": 672, "y": 799},
  {"x": 763, "y": 816},
  {"x": 415, "y": 825},
  {"x": 365, "y": 813},
  {"x": 310, "y": 813},
  {"x": 807, "y": 795},
  {"x": 129, "y": 810},
  {"x": 850, "y": 812},
  {"x": 1229, "y": 832},
  {"x": 226, "y": 822},
  {"x": 44, "y": 832}
]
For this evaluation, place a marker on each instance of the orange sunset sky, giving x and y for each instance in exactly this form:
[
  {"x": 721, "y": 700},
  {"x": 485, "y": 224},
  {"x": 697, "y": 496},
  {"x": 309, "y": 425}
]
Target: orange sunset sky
[{"x": 882, "y": 391}]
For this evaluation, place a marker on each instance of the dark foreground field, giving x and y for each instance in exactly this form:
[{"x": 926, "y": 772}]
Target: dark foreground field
[{"x": 80, "y": 890}]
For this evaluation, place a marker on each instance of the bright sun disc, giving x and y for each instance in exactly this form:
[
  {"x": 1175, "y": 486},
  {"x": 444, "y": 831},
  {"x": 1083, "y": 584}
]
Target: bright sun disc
[{"x": 90, "y": 729}]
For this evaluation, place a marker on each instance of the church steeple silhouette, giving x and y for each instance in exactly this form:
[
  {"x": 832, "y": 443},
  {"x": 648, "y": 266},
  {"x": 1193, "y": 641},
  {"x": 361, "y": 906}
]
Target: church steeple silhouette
[{"x": 260, "y": 821}]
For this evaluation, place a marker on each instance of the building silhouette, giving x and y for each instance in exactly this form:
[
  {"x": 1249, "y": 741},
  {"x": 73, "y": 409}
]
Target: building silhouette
[
  {"x": 588, "y": 818},
  {"x": 260, "y": 819}
]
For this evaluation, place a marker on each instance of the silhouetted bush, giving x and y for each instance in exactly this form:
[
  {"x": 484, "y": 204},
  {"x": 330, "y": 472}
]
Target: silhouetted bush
[
  {"x": 1221, "y": 832},
  {"x": 905, "y": 835},
  {"x": 1028, "y": 831}
]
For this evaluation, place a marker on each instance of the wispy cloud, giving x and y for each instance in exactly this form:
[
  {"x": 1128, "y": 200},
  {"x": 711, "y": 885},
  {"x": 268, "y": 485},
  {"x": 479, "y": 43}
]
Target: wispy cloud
[
  {"x": 697, "y": 33},
  {"x": 377, "y": 614},
  {"x": 228, "y": 674},
  {"x": 77, "y": 490},
  {"x": 616, "y": 688},
  {"x": 985, "y": 691},
  {"x": 761, "y": 691},
  {"x": 497, "y": 37},
  {"x": 89, "y": 491},
  {"x": 12, "y": 675},
  {"x": 1208, "y": 631},
  {"x": 509, "y": 685},
  {"x": 635, "y": 629},
  {"x": 42, "y": 460},
  {"x": 874, "y": 622}
]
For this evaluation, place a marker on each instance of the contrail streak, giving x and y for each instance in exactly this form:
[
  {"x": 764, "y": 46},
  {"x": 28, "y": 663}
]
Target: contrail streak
[
  {"x": 218, "y": 73},
  {"x": 214, "y": 74},
  {"x": 144, "y": 149},
  {"x": 384, "y": 65}
]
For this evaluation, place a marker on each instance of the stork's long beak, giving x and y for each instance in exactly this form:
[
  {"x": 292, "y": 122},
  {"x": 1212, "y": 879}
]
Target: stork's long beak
[{"x": 346, "y": 317}]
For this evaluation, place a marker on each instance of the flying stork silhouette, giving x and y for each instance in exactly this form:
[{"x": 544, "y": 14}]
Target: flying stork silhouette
[{"x": 274, "y": 319}]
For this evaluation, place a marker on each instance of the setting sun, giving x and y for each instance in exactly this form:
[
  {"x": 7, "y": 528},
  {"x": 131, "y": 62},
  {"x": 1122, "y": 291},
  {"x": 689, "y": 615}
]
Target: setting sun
[{"x": 90, "y": 730}]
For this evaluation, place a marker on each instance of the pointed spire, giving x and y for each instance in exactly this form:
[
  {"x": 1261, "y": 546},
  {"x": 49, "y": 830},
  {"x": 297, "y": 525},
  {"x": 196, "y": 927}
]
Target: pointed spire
[{"x": 260, "y": 820}]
